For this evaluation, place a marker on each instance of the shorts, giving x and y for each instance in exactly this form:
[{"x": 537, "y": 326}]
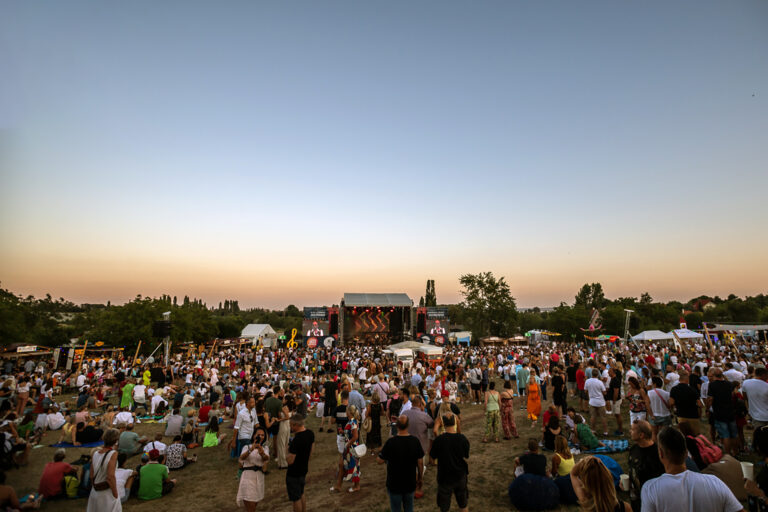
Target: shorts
[
  {"x": 596, "y": 412},
  {"x": 328, "y": 409},
  {"x": 583, "y": 394},
  {"x": 570, "y": 386},
  {"x": 457, "y": 488},
  {"x": 661, "y": 421},
  {"x": 616, "y": 407},
  {"x": 295, "y": 487},
  {"x": 726, "y": 429},
  {"x": 475, "y": 387},
  {"x": 484, "y": 387}
]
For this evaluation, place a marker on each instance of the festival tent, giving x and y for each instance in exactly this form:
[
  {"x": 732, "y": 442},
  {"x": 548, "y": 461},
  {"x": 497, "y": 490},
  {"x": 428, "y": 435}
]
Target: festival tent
[
  {"x": 686, "y": 334},
  {"x": 653, "y": 336},
  {"x": 256, "y": 332}
]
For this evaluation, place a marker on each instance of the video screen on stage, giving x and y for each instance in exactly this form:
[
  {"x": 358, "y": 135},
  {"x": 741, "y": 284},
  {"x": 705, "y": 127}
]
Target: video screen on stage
[
  {"x": 366, "y": 321},
  {"x": 315, "y": 321},
  {"x": 438, "y": 322}
]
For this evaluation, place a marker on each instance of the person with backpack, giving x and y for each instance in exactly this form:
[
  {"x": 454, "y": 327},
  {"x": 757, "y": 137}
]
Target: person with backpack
[{"x": 50, "y": 486}]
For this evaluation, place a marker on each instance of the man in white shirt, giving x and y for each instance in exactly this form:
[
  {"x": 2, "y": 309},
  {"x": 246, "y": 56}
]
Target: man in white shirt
[
  {"x": 731, "y": 374},
  {"x": 595, "y": 389},
  {"x": 157, "y": 400},
  {"x": 157, "y": 444},
  {"x": 124, "y": 416},
  {"x": 671, "y": 379},
  {"x": 140, "y": 396},
  {"x": 245, "y": 422},
  {"x": 680, "y": 490},
  {"x": 756, "y": 395},
  {"x": 80, "y": 380}
]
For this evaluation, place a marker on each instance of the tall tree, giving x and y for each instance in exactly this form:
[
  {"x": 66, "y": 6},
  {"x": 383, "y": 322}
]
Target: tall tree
[
  {"x": 430, "y": 297},
  {"x": 488, "y": 304},
  {"x": 590, "y": 296}
]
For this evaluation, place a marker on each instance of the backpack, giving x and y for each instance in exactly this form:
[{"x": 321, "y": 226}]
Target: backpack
[{"x": 708, "y": 452}]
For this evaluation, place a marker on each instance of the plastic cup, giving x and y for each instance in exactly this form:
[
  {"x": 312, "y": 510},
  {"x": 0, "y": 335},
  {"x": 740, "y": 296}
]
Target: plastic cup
[
  {"x": 748, "y": 469},
  {"x": 624, "y": 482}
]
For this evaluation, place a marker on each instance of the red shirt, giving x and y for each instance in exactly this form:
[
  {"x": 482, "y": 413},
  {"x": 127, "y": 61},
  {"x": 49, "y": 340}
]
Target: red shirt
[
  {"x": 580, "y": 379},
  {"x": 650, "y": 360},
  {"x": 53, "y": 476},
  {"x": 203, "y": 414}
]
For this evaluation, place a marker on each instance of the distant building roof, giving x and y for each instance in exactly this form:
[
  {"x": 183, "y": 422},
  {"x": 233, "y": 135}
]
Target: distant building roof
[{"x": 377, "y": 300}]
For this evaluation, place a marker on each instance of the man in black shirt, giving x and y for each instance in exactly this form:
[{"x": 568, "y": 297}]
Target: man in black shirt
[
  {"x": 644, "y": 462},
  {"x": 571, "y": 374},
  {"x": 686, "y": 400},
  {"x": 451, "y": 449},
  {"x": 329, "y": 389},
  {"x": 404, "y": 457},
  {"x": 614, "y": 396},
  {"x": 532, "y": 462},
  {"x": 299, "y": 451},
  {"x": 719, "y": 397}
]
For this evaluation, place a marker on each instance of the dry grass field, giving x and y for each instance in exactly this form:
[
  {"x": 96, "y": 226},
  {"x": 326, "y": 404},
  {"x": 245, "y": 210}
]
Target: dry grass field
[{"x": 211, "y": 483}]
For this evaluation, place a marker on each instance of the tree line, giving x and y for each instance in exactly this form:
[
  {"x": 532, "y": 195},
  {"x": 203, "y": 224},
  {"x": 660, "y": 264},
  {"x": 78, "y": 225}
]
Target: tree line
[{"x": 487, "y": 308}]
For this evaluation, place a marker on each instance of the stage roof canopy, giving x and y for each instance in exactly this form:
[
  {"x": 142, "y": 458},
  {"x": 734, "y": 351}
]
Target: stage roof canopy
[{"x": 377, "y": 300}]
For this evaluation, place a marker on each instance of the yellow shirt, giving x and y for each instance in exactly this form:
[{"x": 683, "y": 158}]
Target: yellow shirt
[{"x": 565, "y": 466}]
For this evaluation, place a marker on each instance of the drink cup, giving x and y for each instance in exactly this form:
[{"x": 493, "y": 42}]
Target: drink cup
[
  {"x": 624, "y": 482},
  {"x": 748, "y": 469}
]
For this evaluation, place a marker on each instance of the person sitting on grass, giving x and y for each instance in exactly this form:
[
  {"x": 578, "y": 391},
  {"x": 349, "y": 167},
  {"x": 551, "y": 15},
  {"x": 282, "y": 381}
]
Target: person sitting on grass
[
  {"x": 130, "y": 443},
  {"x": 587, "y": 440},
  {"x": 153, "y": 480},
  {"x": 176, "y": 455},
  {"x": 51, "y": 481},
  {"x": 212, "y": 435},
  {"x": 85, "y": 434},
  {"x": 531, "y": 462},
  {"x": 563, "y": 460}
]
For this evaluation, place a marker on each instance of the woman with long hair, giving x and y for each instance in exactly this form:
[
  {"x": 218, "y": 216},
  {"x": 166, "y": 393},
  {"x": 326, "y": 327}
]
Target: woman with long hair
[
  {"x": 105, "y": 496},
  {"x": 284, "y": 434},
  {"x": 534, "y": 398},
  {"x": 637, "y": 398},
  {"x": 253, "y": 459},
  {"x": 593, "y": 485},
  {"x": 563, "y": 460},
  {"x": 375, "y": 412},
  {"x": 508, "y": 411}
]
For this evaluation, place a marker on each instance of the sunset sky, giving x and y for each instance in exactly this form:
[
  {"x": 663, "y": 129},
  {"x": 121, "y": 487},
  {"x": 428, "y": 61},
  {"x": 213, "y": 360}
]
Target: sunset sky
[{"x": 288, "y": 152}]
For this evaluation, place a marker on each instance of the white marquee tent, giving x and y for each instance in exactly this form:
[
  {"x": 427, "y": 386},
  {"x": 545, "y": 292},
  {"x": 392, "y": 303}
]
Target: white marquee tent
[{"x": 653, "y": 336}]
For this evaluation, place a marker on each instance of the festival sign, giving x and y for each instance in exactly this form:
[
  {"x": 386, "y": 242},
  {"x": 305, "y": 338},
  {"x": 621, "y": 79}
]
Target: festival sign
[{"x": 438, "y": 322}]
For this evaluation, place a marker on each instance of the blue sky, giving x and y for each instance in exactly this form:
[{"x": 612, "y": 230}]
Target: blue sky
[{"x": 288, "y": 152}]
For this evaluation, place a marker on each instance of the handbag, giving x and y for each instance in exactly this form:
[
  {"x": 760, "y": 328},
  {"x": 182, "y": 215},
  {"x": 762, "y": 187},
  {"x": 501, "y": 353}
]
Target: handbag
[
  {"x": 101, "y": 486},
  {"x": 367, "y": 424}
]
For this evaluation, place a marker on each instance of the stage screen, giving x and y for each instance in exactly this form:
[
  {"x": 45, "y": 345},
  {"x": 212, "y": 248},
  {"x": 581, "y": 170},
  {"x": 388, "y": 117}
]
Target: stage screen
[
  {"x": 315, "y": 322},
  {"x": 438, "y": 322},
  {"x": 362, "y": 321}
]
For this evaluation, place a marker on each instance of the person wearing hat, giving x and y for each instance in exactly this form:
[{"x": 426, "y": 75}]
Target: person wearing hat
[{"x": 153, "y": 479}]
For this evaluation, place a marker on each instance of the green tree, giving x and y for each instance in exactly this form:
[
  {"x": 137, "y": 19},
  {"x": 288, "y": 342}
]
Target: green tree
[
  {"x": 488, "y": 304},
  {"x": 430, "y": 297},
  {"x": 590, "y": 296}
]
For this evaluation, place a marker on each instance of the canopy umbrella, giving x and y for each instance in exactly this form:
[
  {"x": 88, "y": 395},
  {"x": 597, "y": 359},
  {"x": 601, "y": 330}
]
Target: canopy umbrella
[{"x": 653, "y": 336}]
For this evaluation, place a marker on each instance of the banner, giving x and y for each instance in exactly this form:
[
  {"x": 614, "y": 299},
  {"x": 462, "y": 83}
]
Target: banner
[{"x": 315, "y": 321}]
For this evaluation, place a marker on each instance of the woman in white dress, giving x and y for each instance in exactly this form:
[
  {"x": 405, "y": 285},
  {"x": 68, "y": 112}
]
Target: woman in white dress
[
  {"x": 252, "y": 459},
  {"x": 105, "y": 497}
]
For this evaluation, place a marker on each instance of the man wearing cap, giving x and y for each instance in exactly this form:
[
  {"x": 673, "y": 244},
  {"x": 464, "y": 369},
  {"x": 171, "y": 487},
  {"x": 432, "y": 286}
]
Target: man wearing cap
[{"x": 153, "y": 478}]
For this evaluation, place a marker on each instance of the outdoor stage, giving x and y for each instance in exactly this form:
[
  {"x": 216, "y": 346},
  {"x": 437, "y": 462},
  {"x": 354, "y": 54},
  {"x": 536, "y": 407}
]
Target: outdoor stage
[{"x": 374, "y": 318}]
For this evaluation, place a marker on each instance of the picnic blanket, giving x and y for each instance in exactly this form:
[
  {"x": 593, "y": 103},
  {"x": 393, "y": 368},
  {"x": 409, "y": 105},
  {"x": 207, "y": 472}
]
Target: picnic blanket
[
  {"x": 155, "y": 417},
  {"x": 611, "y": 446},
  {"x": 83, "y": 445}
]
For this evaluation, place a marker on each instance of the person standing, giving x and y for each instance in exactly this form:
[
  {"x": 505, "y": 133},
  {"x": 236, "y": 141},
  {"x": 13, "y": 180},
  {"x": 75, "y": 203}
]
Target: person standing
[
  {"x": 686, "y": 400},
  {"x": 720, "y": 399},
  {"x": 595, "y": 388},
  {"x": 405, "y": 470},
  {"x": 614, "y": 395},
  {"x": 644, "y": 462},
  {"x": 559, "y": 391},
  {"x": 492, "y": 416},
  {"x": 679, "y": 489},
  {"x": 299, "y": 452},
  {"x": 245, "y": 422},
  {"x": 419, "y": 425},
  {"x": 451, "y": 450},
  {"x": 253, "y": 459},
  {"x": 105, "y": 496},
  {"x": 508, "y": 412}
]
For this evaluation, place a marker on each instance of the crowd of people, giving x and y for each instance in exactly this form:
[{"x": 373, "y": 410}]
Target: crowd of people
[{"x": 686, "y": 414}]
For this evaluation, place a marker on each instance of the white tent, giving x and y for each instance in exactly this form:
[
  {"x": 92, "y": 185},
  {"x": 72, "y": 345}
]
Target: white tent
[
  {"x": 686, "y": 334},
  {"x": 653, "y": 336},
  {"x": 256, "y": 331}
]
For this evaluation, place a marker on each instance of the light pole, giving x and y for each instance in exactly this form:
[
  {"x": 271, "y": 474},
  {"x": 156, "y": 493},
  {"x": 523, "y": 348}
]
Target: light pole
[
  {"x": 626, "y": 323},
  {"x": 167, "y": 339}
]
